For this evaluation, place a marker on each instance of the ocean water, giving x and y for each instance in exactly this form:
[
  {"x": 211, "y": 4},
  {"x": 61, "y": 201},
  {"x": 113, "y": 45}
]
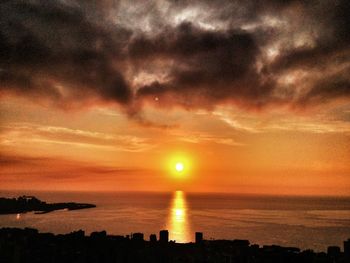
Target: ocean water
[{"x": 305, "y": 222}]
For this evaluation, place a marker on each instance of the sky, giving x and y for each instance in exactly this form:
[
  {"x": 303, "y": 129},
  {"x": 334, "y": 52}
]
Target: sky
[{"x": 251, "y": 96}]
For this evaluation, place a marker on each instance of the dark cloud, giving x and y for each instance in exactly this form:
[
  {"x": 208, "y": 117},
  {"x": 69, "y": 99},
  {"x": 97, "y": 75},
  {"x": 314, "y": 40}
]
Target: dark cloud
[
  {"x": 326, "y": 90},
  {"x": 47, "y": 45},
  {"x": 71, "y": 52},
  {"x": 331, "y": 43},
  {"x": 210, "y": 66},
  {"x": 327, "y": 58}
]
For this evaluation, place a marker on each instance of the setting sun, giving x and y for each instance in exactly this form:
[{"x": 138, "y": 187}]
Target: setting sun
[{"x": 179, "y": 167}]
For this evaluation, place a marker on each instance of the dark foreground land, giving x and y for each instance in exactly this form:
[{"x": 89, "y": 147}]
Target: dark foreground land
[
  {"x": 25, "y": 204},
  {"x": 28, "y": 245}
]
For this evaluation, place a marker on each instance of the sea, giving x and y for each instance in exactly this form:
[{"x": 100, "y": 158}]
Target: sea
[{"x": 305, "y": 222}]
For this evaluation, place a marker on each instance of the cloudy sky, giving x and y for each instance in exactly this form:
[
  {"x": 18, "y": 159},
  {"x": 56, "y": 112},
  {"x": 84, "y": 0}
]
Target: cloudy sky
[{"x": 99, "y": 95}]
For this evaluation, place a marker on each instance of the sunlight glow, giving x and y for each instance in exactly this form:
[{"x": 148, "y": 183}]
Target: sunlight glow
[
  {"x": 179, "y": 167},
  {"x": 178, "y": 223}
]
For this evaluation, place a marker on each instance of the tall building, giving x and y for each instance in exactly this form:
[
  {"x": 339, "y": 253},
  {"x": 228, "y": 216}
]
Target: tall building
[
  {"x": 347, "y": 248},
  {"x": 164, "y": 236},
  {"x": 199, "y": 237}
]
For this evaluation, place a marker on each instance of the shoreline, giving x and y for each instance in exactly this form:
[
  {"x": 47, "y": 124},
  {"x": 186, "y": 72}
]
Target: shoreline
[{"x": 24, "y": 204}]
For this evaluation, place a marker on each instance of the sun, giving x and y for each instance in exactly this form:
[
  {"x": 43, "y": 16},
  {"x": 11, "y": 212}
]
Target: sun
[{"x": 179, "y": 167}]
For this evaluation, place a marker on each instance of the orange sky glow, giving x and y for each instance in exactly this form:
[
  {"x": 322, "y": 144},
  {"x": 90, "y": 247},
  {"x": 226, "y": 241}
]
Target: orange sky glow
[
  {"x": 101, "y": 149},
  {"x": 115, "y": 98}
]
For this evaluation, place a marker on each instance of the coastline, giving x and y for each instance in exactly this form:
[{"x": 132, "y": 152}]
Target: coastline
[{"x": 24, "y": 204}]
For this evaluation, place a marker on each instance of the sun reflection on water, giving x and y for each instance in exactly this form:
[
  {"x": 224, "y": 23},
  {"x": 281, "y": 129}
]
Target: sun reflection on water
[{"x": 178, "y": 223}]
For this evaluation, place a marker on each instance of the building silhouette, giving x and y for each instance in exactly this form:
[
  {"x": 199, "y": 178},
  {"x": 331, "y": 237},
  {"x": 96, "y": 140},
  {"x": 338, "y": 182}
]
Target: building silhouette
[
  {"x": 199, "y": 237},
  {"x": 347, "y": 249},
  {"x": 30, "y": 246},
  {"x": 153, "y": 238},
  {"x": 137, "y": 236},
  {"x": 164, "y": 236}
]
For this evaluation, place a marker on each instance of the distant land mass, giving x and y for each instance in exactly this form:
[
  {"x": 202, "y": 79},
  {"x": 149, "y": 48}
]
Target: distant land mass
[{"x": 25, "y": 204}]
